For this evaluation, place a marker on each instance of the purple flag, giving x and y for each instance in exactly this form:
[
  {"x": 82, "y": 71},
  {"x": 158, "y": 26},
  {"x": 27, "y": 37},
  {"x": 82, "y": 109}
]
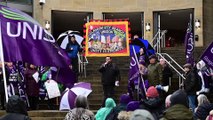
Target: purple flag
[
  {"x": 25, "y": 40},
  {"x": 134, "y": 70},
  {"x": 133, "y": 73},
  {"x": 189, "y": 44},
  {"x": 207, "y": 56}
]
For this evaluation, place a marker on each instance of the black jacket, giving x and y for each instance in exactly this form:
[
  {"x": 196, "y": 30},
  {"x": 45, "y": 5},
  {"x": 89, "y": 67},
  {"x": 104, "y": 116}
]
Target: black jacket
[
  {"x": 110, "y": 74},
  {"x": 16, "y": 109},
  {"x": 190, "y": 83},
  {"x": 203, "y": 111},
  {"x": 153, "y": 105},
  {"x": 167, "y": 73}
]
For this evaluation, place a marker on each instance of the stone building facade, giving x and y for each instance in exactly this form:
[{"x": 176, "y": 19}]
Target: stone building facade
[{"x": 98, "y": 7}]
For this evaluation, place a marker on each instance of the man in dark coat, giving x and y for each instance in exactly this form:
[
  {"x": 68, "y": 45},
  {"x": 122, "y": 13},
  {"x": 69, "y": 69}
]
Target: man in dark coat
[
  {"x": 167, "y": 72},
  {"x": 16, "y": 109},
  {"x": 110, "y": 77},
  {"x": 190, "y": 85}
]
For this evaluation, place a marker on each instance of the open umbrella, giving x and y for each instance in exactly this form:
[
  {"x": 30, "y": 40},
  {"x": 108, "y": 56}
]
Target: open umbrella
[
  {"x": 138, "y": 43},
  {"x": 69, "y": 95},
  {"x": 63, "y": 38}
]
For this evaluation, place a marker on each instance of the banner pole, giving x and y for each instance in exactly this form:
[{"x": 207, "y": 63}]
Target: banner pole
[
  {"x": 140, "y": 75},
  {"x": 3, "y": 64}
]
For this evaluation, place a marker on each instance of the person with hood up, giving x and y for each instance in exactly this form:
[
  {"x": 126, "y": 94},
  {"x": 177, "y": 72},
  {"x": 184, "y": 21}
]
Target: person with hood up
[
  {"x": 16, "y": 109},
  {"x": 203, "y": 108},
  {"x": 124, "y": 100},
  {"x": 179, "y": 109},
  {"x": 131, "y": 106},
  {"x": 103, "y": 112}
]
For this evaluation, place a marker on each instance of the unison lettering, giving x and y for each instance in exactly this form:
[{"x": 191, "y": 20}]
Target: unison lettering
[{"x": 23, "y": 30}]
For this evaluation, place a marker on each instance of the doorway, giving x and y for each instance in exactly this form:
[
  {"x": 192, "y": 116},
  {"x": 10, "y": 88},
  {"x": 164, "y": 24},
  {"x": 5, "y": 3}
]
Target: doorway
[
  {"x": 176, "y": 23},
  {"x": 67, "y": 20},
  {"x": 135, "y": 18}
]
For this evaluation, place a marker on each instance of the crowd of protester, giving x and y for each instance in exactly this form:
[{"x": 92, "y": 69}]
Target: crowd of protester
[{"x": 190, "y": 102}]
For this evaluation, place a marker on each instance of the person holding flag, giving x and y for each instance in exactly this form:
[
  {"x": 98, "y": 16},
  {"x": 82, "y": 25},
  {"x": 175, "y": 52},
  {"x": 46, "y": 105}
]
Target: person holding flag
[{"x": 24, "y": 39}]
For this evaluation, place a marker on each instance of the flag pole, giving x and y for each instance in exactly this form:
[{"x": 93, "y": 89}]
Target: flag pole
[
  {"x": 3, "y": 64},
  {"x": 140, "y": 75}
]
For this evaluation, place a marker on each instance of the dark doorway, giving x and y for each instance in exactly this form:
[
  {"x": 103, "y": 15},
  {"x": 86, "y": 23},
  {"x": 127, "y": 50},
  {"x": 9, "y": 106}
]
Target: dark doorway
[
  {"x": 67, "y": 20},
  {"x": 135, "y": 19},
  {"x": 176, "y": 23}
]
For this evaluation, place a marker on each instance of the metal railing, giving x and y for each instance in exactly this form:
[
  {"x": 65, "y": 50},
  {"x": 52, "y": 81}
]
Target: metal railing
[
  {"x": 82, "y": 62},
  {"x": 158, "y": 42}
]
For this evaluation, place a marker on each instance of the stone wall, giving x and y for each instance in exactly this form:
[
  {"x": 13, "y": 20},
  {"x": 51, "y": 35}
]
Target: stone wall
[
  {"x": 100, "y": 6},
  {"x": 208, "y": 21}
]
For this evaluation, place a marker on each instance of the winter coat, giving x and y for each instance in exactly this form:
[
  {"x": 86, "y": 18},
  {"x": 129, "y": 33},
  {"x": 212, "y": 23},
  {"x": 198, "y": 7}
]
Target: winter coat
[
  {"x": 103, "y": 112},
  {"x": 190, "y": 85},
  {"x": 114, "y": 112},
  {"x": 84, "y": 114},
  {"x": 203, "y": 111},
  {"x": 154, "y": 106},
  {"x": 16, "y": 109},
  {"x": 31, "y": 83},
  {"x": 110, "y": 74},
  {"x": 167, "y": 73},
  {"x": 73, "y": 49},
  {"x": 177, "y": 112},
  {"x": 155, "y": 75}
]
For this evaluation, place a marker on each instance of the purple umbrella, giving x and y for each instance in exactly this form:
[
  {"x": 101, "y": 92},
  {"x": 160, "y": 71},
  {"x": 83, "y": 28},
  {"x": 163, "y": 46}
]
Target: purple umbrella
[{"x": 69, "y": 95}]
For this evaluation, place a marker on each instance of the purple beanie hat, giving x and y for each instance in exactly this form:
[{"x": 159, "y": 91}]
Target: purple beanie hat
[
  {"x": 125, "y": 99},
  {"x": 133, "y": 105}
]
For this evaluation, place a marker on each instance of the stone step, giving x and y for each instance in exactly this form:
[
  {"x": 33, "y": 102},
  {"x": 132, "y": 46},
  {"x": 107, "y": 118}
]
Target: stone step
[{"x": 47, "y": 118}]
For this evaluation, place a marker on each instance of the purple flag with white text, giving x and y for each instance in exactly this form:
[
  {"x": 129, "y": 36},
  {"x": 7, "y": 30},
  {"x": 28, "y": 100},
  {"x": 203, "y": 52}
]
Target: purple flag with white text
[
  {"x": 207, "y": 56},
  {"x": 189, "y": 44},
  {"x": 25, "y": 40},
  {"x": 133, "y": 72}
]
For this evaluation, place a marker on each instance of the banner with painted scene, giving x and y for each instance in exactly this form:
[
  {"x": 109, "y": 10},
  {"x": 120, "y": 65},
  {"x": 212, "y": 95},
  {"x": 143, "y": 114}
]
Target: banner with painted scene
[{"x": 107, "y": 39}]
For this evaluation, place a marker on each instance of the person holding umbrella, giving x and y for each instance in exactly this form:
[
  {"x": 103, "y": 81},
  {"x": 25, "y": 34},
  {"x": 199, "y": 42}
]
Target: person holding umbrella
[{"x": 73, "y": 48}]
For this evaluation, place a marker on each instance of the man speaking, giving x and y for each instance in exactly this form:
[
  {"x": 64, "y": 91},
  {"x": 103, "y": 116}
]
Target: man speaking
[{"x": 110, "y": 77}]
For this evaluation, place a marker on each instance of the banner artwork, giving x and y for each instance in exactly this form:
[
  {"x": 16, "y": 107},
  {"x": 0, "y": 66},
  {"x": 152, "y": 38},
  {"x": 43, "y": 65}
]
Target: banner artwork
[{"x": 107, "y": 39}]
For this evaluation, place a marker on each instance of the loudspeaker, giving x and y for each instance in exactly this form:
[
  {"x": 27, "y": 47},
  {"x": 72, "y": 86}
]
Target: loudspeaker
[{"x": 163, "y": 88}]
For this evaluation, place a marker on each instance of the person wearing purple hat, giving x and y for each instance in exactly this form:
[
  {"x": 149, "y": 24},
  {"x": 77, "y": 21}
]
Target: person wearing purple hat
[
  {"x": 124, "y": 100},
  {"x": 131, "y": 106},
  {"x": 142, "y": 56}
]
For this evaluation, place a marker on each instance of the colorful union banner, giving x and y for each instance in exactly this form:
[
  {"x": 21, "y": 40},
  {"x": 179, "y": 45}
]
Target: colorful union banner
[{"x": 107, "y": 39}]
